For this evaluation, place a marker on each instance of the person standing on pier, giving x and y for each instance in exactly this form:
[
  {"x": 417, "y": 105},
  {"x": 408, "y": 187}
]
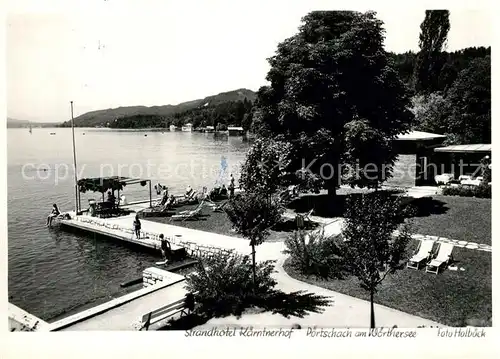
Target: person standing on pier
[
  {"x": 137, "y": 226},
  {"x": 231, "y": 186},
  {"x": 165, "y": 247}
]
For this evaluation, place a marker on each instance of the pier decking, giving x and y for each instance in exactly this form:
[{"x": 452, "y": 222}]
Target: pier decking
[
  {"x": 125, "y": 312},
  {"x": 121, "y": 228}
]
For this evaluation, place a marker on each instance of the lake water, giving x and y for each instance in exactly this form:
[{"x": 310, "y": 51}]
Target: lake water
[{"x": 52, "y": 272}]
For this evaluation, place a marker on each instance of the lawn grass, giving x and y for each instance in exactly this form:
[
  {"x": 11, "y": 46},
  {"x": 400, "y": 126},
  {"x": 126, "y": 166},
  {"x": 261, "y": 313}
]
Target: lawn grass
[
  {"x": 460, "y": 218},
  {"x": 217, "y": 222},
  {"x": 454, "y": 298}
]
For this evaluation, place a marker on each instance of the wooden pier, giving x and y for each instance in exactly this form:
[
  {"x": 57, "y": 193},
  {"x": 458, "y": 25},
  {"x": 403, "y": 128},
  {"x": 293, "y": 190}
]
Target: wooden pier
[{"x": 117, "y": 228}]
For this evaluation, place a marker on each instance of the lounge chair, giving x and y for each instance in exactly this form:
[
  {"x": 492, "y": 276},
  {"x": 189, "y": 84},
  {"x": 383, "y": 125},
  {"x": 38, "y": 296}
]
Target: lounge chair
[
  {"x": 444, "y": 179},
  {"x": 189, "y": 214},
  {"x": 423, "y": 254},
  {"x": 158, "y": 211},
  {"x": 183, "y": 200},
  {"x": 443, "y": 258},
  {"x": 217, "y": 207}
]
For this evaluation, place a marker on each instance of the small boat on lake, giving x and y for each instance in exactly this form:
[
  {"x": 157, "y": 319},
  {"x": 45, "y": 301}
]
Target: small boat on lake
[
  {"x": 188, "y": 127},
  {"x": 210, "y": 129}
]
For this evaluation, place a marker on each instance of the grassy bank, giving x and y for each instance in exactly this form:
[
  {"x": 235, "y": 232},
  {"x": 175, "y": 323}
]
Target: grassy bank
[
  {"x": 455, "y": 298},
  {"x": 217, "y": 222},
  {"x": 460, "y": 218}
]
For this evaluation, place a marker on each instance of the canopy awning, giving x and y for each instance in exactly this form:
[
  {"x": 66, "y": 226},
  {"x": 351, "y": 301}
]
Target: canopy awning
[
  {"x": 472, "y": 148},
  {"x": 103, "y": 184}
]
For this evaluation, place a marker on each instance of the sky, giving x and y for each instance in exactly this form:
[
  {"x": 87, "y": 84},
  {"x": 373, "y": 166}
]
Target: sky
[{"x": 108, "y": 54}]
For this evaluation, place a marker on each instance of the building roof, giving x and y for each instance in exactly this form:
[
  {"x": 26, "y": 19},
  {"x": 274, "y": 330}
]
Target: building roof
[
  {"x": 473, "y": 148},
  {"x": 419, "y": 135}
]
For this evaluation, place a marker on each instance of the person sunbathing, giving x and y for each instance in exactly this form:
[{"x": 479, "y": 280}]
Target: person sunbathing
[
  {"x": 53, "y": 214},
  {"x": 165, "y": 197},
  {"x": 171, "y": 201},
  {"x": 189, "y": 191}
]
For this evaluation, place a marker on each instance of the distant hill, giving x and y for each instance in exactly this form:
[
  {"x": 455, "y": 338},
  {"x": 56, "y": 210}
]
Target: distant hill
[
  {"x": 103, "y": 117},
  {"x": 14, "y": 123}
]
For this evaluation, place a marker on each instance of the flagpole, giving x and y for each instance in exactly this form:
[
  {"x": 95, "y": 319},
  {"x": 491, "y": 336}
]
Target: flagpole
[{"x": 74, "y": 159}]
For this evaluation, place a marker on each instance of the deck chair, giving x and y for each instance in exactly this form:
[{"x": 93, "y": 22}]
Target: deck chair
[
  {"x": 217, "y": 207},
  {"x": 158, "y": 211},
  {"x": 443, "y": 258},
  {"x": 220, "y": 207},
  {"x": 186, "y": 200},
  {"x": 189, "y": 214},
  {"x": 423, "y": 254}
]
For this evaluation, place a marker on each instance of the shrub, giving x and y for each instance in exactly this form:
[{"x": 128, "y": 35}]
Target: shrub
[
  {"x": 223, "y": 285},
  {"x": 320, "y": 256},
  {"x": 481, "y": 191}
]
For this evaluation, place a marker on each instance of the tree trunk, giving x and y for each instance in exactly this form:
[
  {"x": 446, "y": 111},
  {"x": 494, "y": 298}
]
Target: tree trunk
[
  {"x": 254, "y": 269},
  {"x": 332, "y": 207},
  {"x": 372, "y": 311}
]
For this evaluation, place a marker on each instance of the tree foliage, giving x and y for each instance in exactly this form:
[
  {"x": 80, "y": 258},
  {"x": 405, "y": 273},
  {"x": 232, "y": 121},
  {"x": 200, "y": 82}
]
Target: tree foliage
[
  {"x": 431, "y": 113},
  {"x": 453, "y": 62},
  {"x": 372, "y": 250},
  {"x": 470, "y": 103},
  {"x": 433, "y": 35},
  {"x": 264, "y": 169},
  {"x": 252, "y": 215},
  {"x": 223, "y": 286},
  {"x": 463, "y": 113},
  {"x": 333, "y": 92}
]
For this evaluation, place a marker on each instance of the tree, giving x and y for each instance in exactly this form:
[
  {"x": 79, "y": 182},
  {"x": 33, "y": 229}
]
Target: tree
[
  {"x": 456, "y": 61},
  {"x": 331, "y": 93},
  {"x": 433, "y": 35},
  {"x": 470, "y": 101},
  {"x": 372, "y": 250},
  {"x": 264, "y": 168},
  {"x": 431, "y": 113},
  {"x": 252, "y": 215}
]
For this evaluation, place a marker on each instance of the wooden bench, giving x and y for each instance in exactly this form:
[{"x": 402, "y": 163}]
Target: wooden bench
[{"x": 182, "y": 306}]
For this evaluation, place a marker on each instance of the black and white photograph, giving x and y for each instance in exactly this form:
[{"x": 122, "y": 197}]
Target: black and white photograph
[{"x": 257, "y": 170}]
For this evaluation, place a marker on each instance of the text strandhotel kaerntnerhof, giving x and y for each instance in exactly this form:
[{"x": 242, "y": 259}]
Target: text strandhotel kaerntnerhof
[{"x": 334, "y": 333}]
